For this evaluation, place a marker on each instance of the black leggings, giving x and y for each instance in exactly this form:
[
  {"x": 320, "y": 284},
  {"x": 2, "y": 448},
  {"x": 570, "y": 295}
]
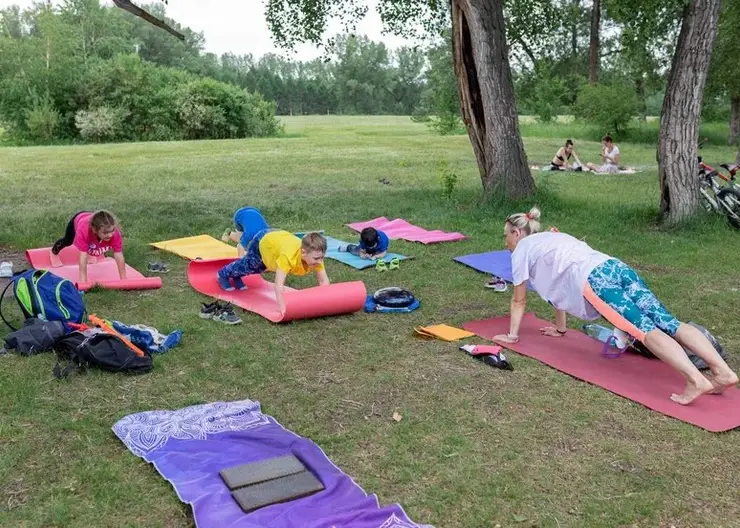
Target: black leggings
[{"x": 69, "y": 235}]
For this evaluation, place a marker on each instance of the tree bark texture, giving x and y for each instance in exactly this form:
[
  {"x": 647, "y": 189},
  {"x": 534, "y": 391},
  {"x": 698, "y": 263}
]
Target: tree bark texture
[
  {"x": 487, "y": 99},
  {"x": 593, "y": 49},
  {"x": 679, "y": 120},
  {"x": 732, "y": 139}
]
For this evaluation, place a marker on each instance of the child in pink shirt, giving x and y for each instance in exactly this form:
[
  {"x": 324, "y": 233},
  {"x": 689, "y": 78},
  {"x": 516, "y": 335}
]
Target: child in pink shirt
[{"x": 93, "y": 234}]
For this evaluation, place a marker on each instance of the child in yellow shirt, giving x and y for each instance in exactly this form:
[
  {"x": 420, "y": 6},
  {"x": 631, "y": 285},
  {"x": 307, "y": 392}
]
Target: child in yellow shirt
[{"x": 281, "y": 252}]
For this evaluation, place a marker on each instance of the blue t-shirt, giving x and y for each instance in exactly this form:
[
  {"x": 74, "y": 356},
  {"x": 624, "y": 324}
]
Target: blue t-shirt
[{"x": 379, "y": 248}]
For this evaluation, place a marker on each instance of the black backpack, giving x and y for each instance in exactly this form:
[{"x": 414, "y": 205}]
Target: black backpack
[{"x": 93, "y": 348}]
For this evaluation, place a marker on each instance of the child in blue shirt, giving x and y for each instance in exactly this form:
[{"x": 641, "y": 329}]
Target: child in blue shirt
[{"x": 373, "y": 245}]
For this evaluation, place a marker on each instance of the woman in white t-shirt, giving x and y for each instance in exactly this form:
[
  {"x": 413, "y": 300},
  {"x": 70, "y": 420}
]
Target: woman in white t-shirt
[
  {"x": 587, "y": 284},
  {"x": 609, "y": 157}
]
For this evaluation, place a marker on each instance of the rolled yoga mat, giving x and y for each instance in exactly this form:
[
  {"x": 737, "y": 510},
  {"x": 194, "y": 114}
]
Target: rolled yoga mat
[
  {"x": 259, "y": 297},
  {"x": 101, "y": 272},
  {"x": 649, "y": 382}
]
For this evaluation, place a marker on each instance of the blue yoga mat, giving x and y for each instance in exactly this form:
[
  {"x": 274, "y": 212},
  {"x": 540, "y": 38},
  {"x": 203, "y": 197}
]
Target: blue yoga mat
[
  {"x": 496, "y": 263},
  {"x": 332, "y": 252}
]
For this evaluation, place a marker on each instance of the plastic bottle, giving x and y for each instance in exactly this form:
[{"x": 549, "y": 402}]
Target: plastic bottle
[{"x": 598, "y": 332}]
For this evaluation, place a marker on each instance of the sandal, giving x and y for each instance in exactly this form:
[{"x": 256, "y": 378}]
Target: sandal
[
  {"x": 380, "y": 265},
  {"x": 394, "y": 264}
]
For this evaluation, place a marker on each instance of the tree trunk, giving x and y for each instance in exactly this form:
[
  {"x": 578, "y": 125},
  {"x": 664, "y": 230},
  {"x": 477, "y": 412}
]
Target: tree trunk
[
  {"x": 487, "y": 98},
  {"x": 679, "y": 119},
  {"x": 593, "y": 50},
  {"x": 574, "y": 28},
  {"x": 641, "y": 102},
  {"x": 734, "y": 122}
]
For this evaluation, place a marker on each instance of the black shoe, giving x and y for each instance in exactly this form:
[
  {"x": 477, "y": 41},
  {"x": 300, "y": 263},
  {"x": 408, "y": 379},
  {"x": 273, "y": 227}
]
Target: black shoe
[{"x": 208, "y": 311}]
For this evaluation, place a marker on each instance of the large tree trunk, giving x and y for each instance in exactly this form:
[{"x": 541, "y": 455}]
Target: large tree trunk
[
  {"x": 679, "y": 119},
  {"x": 487, "y": 96},
  {"x": 593, "y": 49},
  {"x": 734, "y": 122},
  {"x": 574, "y": 14}
]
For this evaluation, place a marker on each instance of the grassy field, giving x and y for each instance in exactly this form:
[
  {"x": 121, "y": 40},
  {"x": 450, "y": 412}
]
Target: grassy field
[{"x": 476, "y": 447}]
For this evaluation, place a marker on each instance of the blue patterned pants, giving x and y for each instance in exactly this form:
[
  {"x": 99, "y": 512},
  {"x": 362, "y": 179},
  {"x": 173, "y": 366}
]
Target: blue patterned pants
[
  {"x": 620, "y": 295},
  {"x": 250, "y": 264}
]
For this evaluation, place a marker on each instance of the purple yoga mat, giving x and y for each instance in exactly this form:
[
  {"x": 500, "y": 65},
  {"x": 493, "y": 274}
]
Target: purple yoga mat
[
  {"x": 188, "y": 447},
  {"x": 494, "y": 263}
]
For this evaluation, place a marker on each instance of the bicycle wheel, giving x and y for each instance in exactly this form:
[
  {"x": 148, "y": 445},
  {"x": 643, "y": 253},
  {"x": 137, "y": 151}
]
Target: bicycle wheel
[{"x": 730, "y": 201}]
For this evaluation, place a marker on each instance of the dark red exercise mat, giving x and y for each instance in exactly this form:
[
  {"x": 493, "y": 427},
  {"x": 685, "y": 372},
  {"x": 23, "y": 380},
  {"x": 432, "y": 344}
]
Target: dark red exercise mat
[
  {"x": 259, "y": 297},
  {"x": 101, "y": 271},
  {"x": 649, "y": 382}
]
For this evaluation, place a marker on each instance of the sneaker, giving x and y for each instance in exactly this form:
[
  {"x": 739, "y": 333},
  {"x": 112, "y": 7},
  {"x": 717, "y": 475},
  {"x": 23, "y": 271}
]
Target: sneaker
[
  {"x": 157, "y": 267},
  {"x": 394, "y": 264},
  {"x": 380, "y": 265},
  {"x": 239, "y": 283},
  {"x": 224, "y": 282},
  {"x": 342, "y": 248},
  {"x": 497, "y": 284},
  {"x": 209, "y": 310},
  {"x": 227, "y": 316}
]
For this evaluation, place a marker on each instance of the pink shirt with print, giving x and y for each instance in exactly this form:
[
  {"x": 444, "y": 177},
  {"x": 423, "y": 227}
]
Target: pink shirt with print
[{"x": 88, "y": 242}]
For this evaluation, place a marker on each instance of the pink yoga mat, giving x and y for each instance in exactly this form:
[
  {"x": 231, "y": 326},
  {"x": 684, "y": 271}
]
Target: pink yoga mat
[
  {"x": 259, "y": 297},
  {"x": 400, "y": 228},
  {"x": 649, "y": 382},
  {"x": 102, "y": 272}
]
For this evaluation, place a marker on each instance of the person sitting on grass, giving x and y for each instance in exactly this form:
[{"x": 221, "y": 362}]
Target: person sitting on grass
[
  {"x": 281, "y": 252},
  {"x": 609, "y": 157},
  {"x": 373, "y": 245},
  {"x": 563, "y": 155},
  {"x": 92, "y": 234},
  {"x": 579, "y": 280}
]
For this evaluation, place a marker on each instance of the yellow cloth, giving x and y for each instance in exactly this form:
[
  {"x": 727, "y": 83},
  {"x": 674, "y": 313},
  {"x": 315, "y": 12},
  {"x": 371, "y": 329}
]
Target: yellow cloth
[
  {"x": 444, "y": 332},
  {"x": 280, "y": 249},
  {"x": 201, "y": 246}
]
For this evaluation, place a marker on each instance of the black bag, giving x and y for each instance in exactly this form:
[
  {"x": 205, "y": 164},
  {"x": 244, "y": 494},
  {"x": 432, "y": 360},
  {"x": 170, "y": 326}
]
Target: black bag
[
  {"x": 35, "y": 336},
  {"x": 93, "y": 348}
]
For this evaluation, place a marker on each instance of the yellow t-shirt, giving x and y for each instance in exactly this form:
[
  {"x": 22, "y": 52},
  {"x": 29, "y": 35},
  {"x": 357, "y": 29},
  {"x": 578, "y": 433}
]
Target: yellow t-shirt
[{"x": 280, "y": 249}]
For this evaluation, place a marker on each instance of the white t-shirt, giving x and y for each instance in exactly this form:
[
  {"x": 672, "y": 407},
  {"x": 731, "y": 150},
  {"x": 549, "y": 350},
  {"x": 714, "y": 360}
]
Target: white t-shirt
[
  {"x": 611, "y": 156},
  {"x": 557, "y": 267}
]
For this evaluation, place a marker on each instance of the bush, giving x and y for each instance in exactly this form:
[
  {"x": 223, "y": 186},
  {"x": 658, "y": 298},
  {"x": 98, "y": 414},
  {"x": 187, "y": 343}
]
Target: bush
[
  {"x": 99, "y": 125},
  {"x": 42, "y": 121},
  {"x": 610, "y": 106}
]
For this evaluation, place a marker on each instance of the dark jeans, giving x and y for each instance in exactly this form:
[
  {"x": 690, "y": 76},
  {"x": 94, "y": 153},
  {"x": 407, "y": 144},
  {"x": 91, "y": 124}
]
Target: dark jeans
[{"x": 354, "y": 249}]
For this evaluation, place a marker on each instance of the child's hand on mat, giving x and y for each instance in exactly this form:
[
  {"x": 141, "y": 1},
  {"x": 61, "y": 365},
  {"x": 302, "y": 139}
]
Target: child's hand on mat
[
  {"x": 506, "y": 338},
  {"x": 551, "y": 331}
]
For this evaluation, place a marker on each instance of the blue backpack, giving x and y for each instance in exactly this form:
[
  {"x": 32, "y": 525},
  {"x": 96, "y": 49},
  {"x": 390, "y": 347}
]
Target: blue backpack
[{"x": 46, "y": 296}]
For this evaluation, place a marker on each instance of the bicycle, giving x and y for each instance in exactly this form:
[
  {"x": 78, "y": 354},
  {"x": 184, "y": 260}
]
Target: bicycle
[{"x": 722, "y": 199}]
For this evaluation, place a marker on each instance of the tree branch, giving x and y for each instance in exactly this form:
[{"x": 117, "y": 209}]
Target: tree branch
[{"x": 126, "y": 5}]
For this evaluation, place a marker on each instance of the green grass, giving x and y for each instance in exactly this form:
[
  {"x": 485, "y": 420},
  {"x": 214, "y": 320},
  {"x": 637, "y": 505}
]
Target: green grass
[{"x": 476, "y": 447}]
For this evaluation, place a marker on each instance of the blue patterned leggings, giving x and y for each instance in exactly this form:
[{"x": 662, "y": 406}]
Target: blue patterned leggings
[
  {"x": 250, "y": 264},
  {"x": 620, "y": 295}
]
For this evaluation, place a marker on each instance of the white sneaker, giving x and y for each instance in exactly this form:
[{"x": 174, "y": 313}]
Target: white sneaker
[{"x": 6, "y": 269}]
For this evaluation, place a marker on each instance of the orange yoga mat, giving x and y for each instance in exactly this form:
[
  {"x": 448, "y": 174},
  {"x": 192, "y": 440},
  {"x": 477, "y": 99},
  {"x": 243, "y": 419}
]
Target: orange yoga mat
[
  {"x": 101, "y": 271},
  {"x": 259, "y": 297}
]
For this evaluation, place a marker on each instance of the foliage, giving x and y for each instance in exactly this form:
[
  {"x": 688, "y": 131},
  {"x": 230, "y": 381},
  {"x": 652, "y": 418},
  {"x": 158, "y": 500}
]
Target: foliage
[
  {"x": 447, "y": 179},
  {"x": 100, "y": 124},
  {"x": 42, "y": 121},
  {"x": 610, "y": 106}
]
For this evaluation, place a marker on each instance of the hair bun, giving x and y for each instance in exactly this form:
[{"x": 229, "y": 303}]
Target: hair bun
[{"x": 534, "y": 214}]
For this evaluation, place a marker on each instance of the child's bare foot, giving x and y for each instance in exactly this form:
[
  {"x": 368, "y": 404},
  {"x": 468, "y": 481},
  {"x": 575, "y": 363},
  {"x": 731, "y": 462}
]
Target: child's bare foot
[
  {"x": 693, "y": 390},
  {"x": 723, "y": 381}
]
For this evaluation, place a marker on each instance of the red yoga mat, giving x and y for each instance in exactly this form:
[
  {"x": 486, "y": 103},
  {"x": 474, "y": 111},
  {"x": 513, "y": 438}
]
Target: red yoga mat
[
  {"x": 649, "y": 382},
  {"x": 259, "y": 297},
  {"x": 102, "y": 272}
]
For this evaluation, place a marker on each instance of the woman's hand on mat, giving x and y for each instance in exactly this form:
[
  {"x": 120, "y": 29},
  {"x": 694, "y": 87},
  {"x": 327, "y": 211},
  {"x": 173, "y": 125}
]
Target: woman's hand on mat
[
  {"x": 551, "y": 331},
  {"x": 506, "y": 338}
]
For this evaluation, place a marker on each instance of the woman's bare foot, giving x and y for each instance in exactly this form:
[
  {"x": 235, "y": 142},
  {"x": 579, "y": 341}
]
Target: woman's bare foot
[
  {"x": 723, "y": 381},
  {"x": 693, "y": 390}
]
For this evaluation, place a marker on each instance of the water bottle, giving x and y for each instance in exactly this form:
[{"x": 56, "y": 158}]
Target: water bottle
[{"x": 598, "y": 332}]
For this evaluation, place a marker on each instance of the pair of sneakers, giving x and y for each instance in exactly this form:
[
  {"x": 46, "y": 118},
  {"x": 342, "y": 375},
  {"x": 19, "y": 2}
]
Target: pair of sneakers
[
  {"x": 497, "y": 284},
  {"x": 231, "y": 283},
  {"x": 220, "y": 312},
  {"x": 394, "y": 264}
]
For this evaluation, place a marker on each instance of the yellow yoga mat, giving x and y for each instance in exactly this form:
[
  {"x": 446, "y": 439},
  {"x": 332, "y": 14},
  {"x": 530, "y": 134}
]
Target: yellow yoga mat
[
  {"x": 444, "y": 332},
  {"x": 198, "y": 247}
]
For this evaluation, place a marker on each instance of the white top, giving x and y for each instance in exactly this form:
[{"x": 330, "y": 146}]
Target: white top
[
  {"x": 557, "y": 266},
  {"x": 611, "y": 156}
]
